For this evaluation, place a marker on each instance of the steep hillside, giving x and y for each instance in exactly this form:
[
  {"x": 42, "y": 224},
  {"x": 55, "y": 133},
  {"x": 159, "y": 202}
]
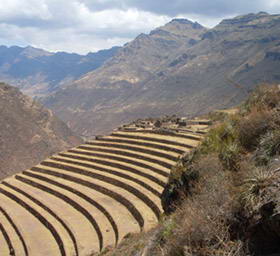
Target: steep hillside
[
  {"x": 28, "y": 132},
  {"x": 180, "y": 68},
  {"x": 105, "y": 91},
  {"x": 37, "y": 72}
]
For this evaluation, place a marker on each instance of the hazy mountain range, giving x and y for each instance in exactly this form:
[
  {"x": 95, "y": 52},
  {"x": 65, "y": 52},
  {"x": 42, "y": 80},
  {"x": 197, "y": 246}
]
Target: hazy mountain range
[
  {"x": 38, "y": 72},
  {"x": 180, "y": 68}
]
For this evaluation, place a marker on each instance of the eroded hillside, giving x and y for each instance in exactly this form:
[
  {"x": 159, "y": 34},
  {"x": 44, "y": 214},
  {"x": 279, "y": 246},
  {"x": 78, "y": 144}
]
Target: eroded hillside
[{"x": 28, "y": 132}]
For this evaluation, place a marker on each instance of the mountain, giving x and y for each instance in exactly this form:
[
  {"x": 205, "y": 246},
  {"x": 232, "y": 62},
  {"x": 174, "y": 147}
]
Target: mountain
[
  {"x": 181, "y": 68},
  {"x": 28, "y": 132},
  {"x": 37, "y": 72},
  {"x": 105, "y": 90}
]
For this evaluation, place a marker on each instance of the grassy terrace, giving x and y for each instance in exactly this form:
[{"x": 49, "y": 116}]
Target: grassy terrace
[
  {"x": 146, "y": 158},
  {"x": 152, "y": 173},
  {"x": 140, "y": 151},
  {"x": 79, "y": 201},
  {"x": 110, "y": 173},
  {"x": 131, "y": 158}
]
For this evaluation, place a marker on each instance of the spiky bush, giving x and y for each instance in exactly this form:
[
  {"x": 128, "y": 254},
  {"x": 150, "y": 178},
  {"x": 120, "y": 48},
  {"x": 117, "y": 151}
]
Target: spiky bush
[
  {"x": 268, "y": 147},
  {"x": 230, "y": 156},
  {"x": 254, "y": 186},
  {"x": 223, "y": 140}
]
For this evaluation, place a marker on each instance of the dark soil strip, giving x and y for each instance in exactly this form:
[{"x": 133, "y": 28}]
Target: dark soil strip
[
  {"x": 16, "y": 229},
  {"x": 66, "y": 199},
  {"x": 47, "y": 209},
  {"x": 120, "y": 159},
  {"x": 172, "y": 134},
  {"x": 168, "y": 142},
  {"x": 127, "y": 168},
  {"x": 103, "y": 178},
  {"x": 146, "y": 144},
  {"x": 131, "y": 148},
  {"x": 37, "y": 215},
  {"x": 128, "y": 154},
  {"x": 8, "y": 240},
  {"x": 119, "y": 198},
  {"x": 95, "y": 167}
]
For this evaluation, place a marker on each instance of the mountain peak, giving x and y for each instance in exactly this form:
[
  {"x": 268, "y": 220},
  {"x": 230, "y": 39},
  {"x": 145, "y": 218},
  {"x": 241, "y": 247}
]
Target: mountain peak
[
  {"x": 182, "y": 21},
  {"x": 31, "y": 52},
  {"x": 261, "y": 17},
  {"x": 182, "y": 27}
]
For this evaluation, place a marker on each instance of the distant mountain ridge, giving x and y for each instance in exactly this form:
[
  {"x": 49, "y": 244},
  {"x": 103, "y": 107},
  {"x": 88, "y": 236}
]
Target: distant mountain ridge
[
  {"x": 28, "y": 132},
  {"x": 38, "y": 72},
  {"x": 180, "y": 68}
]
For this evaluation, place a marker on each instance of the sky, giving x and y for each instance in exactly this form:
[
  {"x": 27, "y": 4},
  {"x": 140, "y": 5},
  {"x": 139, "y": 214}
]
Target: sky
[{"x": 83, "y": 26}]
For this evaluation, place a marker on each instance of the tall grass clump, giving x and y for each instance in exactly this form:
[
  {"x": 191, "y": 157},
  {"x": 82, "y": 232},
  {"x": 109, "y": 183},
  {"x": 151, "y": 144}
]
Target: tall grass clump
[
  {"x": 252, "y": 127},
  {"x": 268, "y": 147},
  {"x": 254, "y": 187},
  {"x": 264, "y": 97},
  {"x": 223, "y": 139}
]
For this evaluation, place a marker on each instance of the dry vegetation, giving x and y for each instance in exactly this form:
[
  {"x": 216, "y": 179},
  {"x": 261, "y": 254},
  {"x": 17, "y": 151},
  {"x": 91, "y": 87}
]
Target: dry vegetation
[{"x": 222, "y": 196}]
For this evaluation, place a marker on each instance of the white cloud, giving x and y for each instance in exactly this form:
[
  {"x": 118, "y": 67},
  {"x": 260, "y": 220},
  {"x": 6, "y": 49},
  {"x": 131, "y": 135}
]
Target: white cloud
[
  {"x": 78, "y": 29},
  {"x": 13, "y": 9},
  {"x": 89, "y": 25}
]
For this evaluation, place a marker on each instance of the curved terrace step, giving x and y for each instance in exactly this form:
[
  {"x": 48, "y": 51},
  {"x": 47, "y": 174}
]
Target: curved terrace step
[
  {"x": 40, "y": 235},
  {"x": 135, "y": 196},
  {"x": 18, "y": 244},
  {"x": 79, "y": 201},
  {"x": 127, "y": 150},
  {"x": 134, "y": 159},
  {"x": 173, "y": 156},
  {"x": 165, "y": 139},
  {"x": 7, "y": 246},
  {"x": 150, "y": 172}
]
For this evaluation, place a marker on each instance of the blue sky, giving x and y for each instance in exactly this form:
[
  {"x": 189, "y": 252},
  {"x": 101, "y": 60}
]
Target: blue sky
[{"x": 90, "y": 25}]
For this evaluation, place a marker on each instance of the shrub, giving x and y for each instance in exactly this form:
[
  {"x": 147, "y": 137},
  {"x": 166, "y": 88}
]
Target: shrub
[
  {"x": 230, "y": 156},
  {"x": 252, "y": 127},
  {"x": 264, "y": 97},
  {"x": 268, "y": 147},
  {"x": 201, "y": 221},
  {"x": 254, "y": 186},
  {"x": 223, "y": 140}
]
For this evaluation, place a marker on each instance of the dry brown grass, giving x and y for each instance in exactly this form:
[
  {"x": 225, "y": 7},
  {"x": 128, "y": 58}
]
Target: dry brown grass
[
  {"x": 252, "y": 127},
  {"x": 217, "y": 206},
  {"x": 266, "y": 96},
  {"x": 200, "y": 226},
  {"x": 129, "y": 246}
]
